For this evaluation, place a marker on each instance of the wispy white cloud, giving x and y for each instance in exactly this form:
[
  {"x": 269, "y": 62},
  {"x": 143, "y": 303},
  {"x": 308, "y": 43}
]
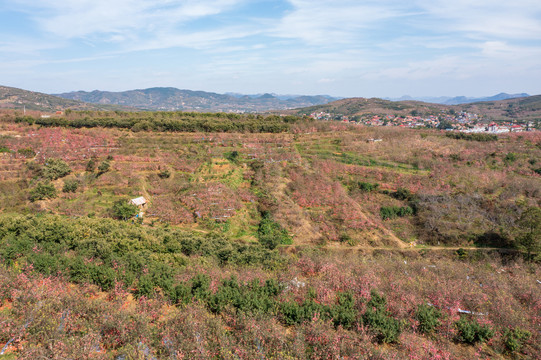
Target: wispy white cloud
[
  {"x": 24, "y": 46},
  {"x": 493, "y": 59},
  {"x": 90, "y": 18},
  {"x": 517, "y": 19},
  {"x": 323, "y": 22},
  {"x": 443, "y": 67},
  {"x": 196, "y": 40},
  {"x": 326, "y": 81},
  {"x": 310, "y": 44},
  {"x": 122, "y": 26}
]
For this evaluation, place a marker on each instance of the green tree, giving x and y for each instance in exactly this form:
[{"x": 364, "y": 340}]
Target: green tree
[
  {"x": 529, "y": 227},
  {"x": 104, "y": 167},
  {"x": 55, "y": 169},
  {"x": 444, "y": 124},
  {"x": 124, "y": 210},
  {"x": 232, "y": 156},
  {"x": 471, "y": 332},
  {"x": 70, "y": 185},
  {"x": 91, "y": 165},
  {"x": 42, "y": 191},
  {"x": 510, "y": 158},
  {"x": 271, "y": 234},
  {"x": 514, "y": 339}
]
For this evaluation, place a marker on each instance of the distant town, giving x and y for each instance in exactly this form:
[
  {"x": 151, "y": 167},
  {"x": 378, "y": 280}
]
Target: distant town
[{"x": 460, "y": 121}]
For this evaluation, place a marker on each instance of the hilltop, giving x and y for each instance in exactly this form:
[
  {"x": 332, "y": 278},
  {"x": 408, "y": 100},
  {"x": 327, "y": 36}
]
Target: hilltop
[{"x": 173, "y": 99}]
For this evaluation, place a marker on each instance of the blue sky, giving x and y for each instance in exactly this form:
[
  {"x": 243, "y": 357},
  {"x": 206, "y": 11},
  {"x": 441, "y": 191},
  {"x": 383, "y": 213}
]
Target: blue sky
[{"x": 384, "y": 48}]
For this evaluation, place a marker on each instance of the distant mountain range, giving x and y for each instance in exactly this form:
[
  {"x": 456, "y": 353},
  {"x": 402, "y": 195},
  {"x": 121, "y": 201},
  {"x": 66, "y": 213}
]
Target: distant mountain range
[
  {"x": 447, "y": 100},
  {"x": 511, "y": 108},
  {"x": 173, "y": 99}
]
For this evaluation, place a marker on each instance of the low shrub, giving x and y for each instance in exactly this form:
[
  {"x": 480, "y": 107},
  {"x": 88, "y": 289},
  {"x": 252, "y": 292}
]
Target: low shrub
[
  {"x": 403, "y": 194},
  {"x": 27, "y": 152},
  {"x": 232, "y": 156},
  {"x": 344, "y": 313},
  {"x": 70, "y": 185},
  {"x": 510, "y": 158},
  {"x": 428, "y": 318},
  {"x": 386, "y": 328},
  {"x": 471, "y": 332},
  {"x": 104, "y": 167},
  {"x": 513, "y": 339},
  {"x": 366, "y": 186},
  {"x": 91, "y": 165},
  {"x": 472, "y": 137},
  {"x": 461, "y": 254},
  {"x": 392, "y": 212},
  {"x": 271, "y": 234},
  {"x": 164, "y": 174}
]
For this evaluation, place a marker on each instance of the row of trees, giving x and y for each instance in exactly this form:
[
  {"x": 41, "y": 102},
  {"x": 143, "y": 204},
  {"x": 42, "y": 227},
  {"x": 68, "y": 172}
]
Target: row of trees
[{"x": 177, "y": 122}]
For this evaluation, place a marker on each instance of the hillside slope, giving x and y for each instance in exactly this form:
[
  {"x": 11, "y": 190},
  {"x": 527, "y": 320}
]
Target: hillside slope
[
  {"x": 322, "y": 182},
  {"x": 301, "y": 240}
]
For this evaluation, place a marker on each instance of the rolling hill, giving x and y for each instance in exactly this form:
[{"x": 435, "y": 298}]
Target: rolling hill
[
  {"x": 526, "y": 108},
  {"x": 15, "y": 98},
  {"x": 362, "y": 106}
]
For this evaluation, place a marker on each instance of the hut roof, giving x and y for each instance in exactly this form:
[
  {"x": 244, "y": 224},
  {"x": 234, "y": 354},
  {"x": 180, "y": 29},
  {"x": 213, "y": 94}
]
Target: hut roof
[{"x": 139, "y": 201}]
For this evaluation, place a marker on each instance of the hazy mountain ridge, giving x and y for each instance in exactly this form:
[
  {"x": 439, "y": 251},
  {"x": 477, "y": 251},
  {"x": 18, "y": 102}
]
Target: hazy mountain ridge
[
  {"x": 172, "y": 99},
  {"x": 521, "y": 108},
  {"x": 458, "y": 100}
]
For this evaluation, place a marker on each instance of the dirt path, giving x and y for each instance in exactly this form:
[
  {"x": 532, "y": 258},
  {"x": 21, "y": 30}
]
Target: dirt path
[{"x": 340, "y": 247}]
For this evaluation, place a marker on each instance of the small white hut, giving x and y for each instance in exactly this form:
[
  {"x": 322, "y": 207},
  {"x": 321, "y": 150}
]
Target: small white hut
[{"x": 140, "y": 202}]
